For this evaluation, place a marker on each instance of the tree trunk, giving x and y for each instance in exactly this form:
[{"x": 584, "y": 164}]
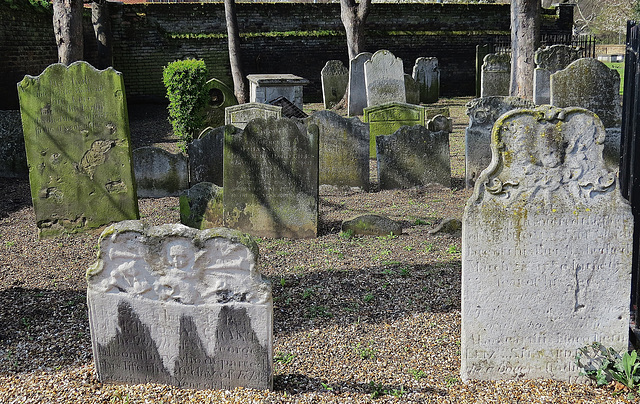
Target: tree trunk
[
  {"x": 67, "y": 27},
  {"x": 233, "y": 36},
  {"x": 102, "y": 29},
  {"x": 353, "y": 16},
  {"x": 525, "y": 39}
]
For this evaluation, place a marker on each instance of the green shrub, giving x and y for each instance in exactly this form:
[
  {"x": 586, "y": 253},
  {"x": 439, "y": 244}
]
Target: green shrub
[{"x": 185, "y": 82}]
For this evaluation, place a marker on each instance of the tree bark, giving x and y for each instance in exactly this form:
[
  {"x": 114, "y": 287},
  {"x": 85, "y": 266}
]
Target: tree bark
[
  {"x": 525, "y": 39},
  {"x": 353, "y": 16},
  {"x": 102, "y": 29},
  {"x": 233, "y": 36},
  {"x": 67, "y": 27}
]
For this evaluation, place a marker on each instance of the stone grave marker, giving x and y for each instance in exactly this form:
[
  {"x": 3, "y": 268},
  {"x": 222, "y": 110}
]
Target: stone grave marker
[
  {"x": 412, "y": 90},
  {"x": 357, "y": 96},
  {"x": 427, "y": 73},
  {"x": 201, "y": 206},
  {"x": 240, "y": 115},
  {"x": 267, "y": 87},
  {"x": 588, "y": 83},
  {"x": 483, "y": 113},
  {"x": 546, "y": 250},
  {"x": 220, "y": 97},
  {"x": 384, "y": 79},
  {"x": 13, "y": 160},
  {"x": 159, "y": 173},
  {"x": 413, "y": 156},
  {"x": 174, "y": 305},
  {"x": 344, "y": 150},
  {"x": 550, "y": 59},
  {"x": 205, "y": 155},
  {"x": 271, "y": 179},
  {"x": 335, "y": 79},
  {"x": 77, "y": 142},
  {"x": 496, "y": 75},
  {"x": 387, "y": 118},
  {"x": 440, "y": 123}
]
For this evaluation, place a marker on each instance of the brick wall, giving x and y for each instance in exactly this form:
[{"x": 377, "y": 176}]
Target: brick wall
[{"x": 300, "y": 39}]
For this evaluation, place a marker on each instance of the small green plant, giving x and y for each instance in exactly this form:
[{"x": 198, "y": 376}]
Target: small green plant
[
  {"x": 365, "y": 352},
  {"x": 10, "y": 243},
  {"x": 283, "y": 282},
  {"x": 429, "y": 247},
  {"x": 605, "y": 364},
  {"x": 451, "y": 381},
  {"x": 327, "y": 386},
  {"x": 307, "y": 293},
  {"x": 417, "y": 374},
  {"x": 185, "y": 81},
  {"x": 405, "y": 271},
  {"x": 377, "y": 390},
  {"x": 397, "y": 392},
  {"x": 408, "y": 248},
  {"x": 453, "y": 249},
  {"x": 347, "y": 234},
  {"x": 318, "y": 311},
  {"x": 419, "y": 222},
  {"x": 368, "y": 297},
  {"x": 284, "y": 357},
  {"x": 388, "y": 237}
]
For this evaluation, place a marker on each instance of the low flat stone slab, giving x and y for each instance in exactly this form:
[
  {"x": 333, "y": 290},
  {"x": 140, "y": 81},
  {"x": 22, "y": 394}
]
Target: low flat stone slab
[{"x": 372, "y": 225}]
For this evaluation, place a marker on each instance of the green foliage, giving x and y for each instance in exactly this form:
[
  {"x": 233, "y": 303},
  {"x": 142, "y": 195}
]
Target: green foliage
[
  {"x": 185, "y": 83},
  {"x": 417, "y": 374},
  {"x": 604, "y": 365},
  {"x": 365, "y": 352},
  {"x": 347, "y": 234},
  {"x": 284, "y": 357}
]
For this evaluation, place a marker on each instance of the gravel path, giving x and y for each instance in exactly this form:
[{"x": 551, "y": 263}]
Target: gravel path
[{"x": 362, "y": 319}]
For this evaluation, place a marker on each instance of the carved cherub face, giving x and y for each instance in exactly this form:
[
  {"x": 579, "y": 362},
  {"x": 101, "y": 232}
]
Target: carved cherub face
[{"x": 180, "y": 255}]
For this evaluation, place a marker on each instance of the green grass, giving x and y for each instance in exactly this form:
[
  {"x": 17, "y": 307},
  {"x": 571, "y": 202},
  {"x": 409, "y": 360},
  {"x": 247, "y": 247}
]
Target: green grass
[{"x": 619, "y": 67}]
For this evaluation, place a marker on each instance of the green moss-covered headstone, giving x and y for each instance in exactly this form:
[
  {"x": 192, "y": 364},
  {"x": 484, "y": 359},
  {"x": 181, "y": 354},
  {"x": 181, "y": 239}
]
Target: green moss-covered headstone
[
  {"x": 387, "y": 118},
  {"x": 271, "y": 179},
  {"x": 77, "y": 141}
]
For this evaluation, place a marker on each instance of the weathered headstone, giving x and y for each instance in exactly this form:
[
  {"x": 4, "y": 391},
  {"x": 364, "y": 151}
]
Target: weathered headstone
[
  {"x": 174, "y": 305},
  {"x": 546, "y": 250},
  {"x": 427, "y": 73},
  {"x": 205, "y": 155},
  {"x": 344, "y": 150},
  {"x": 13, "y": 160},
  {"x": 588, "y": 83},
  {"x": 159, "y": 173},
  {"x": 411, "y": 90},
  {"x": 357, "y": 96},
  {"x": 440, "y": 123},
  {"x": 77, "y": 141},
  {"x": 240, "y": 115},
  {"x": 220, "y": 97},
  {"x": 271, "y": 179},
  {"x": 201, "y": 206},
  {"x": 384, "y": 79},
  {"x": 496, "y": 75},
  {"x": 413, "y": 156},
  {"x": 483, "y": 113},
  {"x": 335, "y": 79},
  {"x": 387, "y": 118},
  {"x": 550, "y": 59},
  {"x": 267, "y": 87}
]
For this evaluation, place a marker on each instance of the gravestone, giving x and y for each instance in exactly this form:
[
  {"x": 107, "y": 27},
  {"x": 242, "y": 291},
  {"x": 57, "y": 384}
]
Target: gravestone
[
  {"x": 427, "y": 73},
  {"x": 335, "y": 79},
  {"x": 265, "y": 88},
  {"x": 588, "y": 83},
  {"x": 413, "y": 156},
  {"x": 546, "y": 250},
  {"x": 440, "y": 123},
  {"x": 201, "y": 206},
  {"x": 412, "y": 90},
  {"x": 159, "y": 173},
  {"x": 13, "y": 160},
  {"x": 240, "y": 115},
  {"x": 387, "y": 118},
  {"x": 496, "y": 75},
  {"x": 77, "y": 142},
  {"x": 174, "y": 305},
  {"x": 483, "y": 113},
  {"x": 357, "y": 96},
  {"x": 384, "y": 79},
  {"x": 271, "y": 179},
  {"x": 344, "y": 150},
  {"x": 550, "y": 59},
  {"x": 205, "y": 155},
  {"x": 220, "y": 96}
]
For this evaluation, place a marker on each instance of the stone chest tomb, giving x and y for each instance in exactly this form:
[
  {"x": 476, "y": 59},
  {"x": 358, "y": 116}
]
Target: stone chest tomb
[
  {"x": 546, "y": 253},
  {"x": 174, "y": 305}
]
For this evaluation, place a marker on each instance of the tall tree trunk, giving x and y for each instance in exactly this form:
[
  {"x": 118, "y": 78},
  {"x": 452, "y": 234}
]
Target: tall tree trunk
[
  {"x": 525, "y": 39},
  {"x": 67, "y": 27},
  {"x": 233, "y": 36},
  {"x": 353, "y": 16},
  {"x": 102, "y": 29}
]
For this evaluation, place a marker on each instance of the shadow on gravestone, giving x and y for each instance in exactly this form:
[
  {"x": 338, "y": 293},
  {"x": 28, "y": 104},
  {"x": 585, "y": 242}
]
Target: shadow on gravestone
[
  {"x": 77, "y": 143},
  {"x": 357, "y": 90},
  {"x": 271, "y": 179},
  {"x": 550, "y": 59},
  {"x": 546, "y": 220},
  {"x": 387, "y": 118},
  {"x": 427, "y": 73},
  {"x": 384, "y": 79},
  {"x": 206, "y": 155},
  {"x": 201, "y": 206},
  {"x": 159, "y": 173}
]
